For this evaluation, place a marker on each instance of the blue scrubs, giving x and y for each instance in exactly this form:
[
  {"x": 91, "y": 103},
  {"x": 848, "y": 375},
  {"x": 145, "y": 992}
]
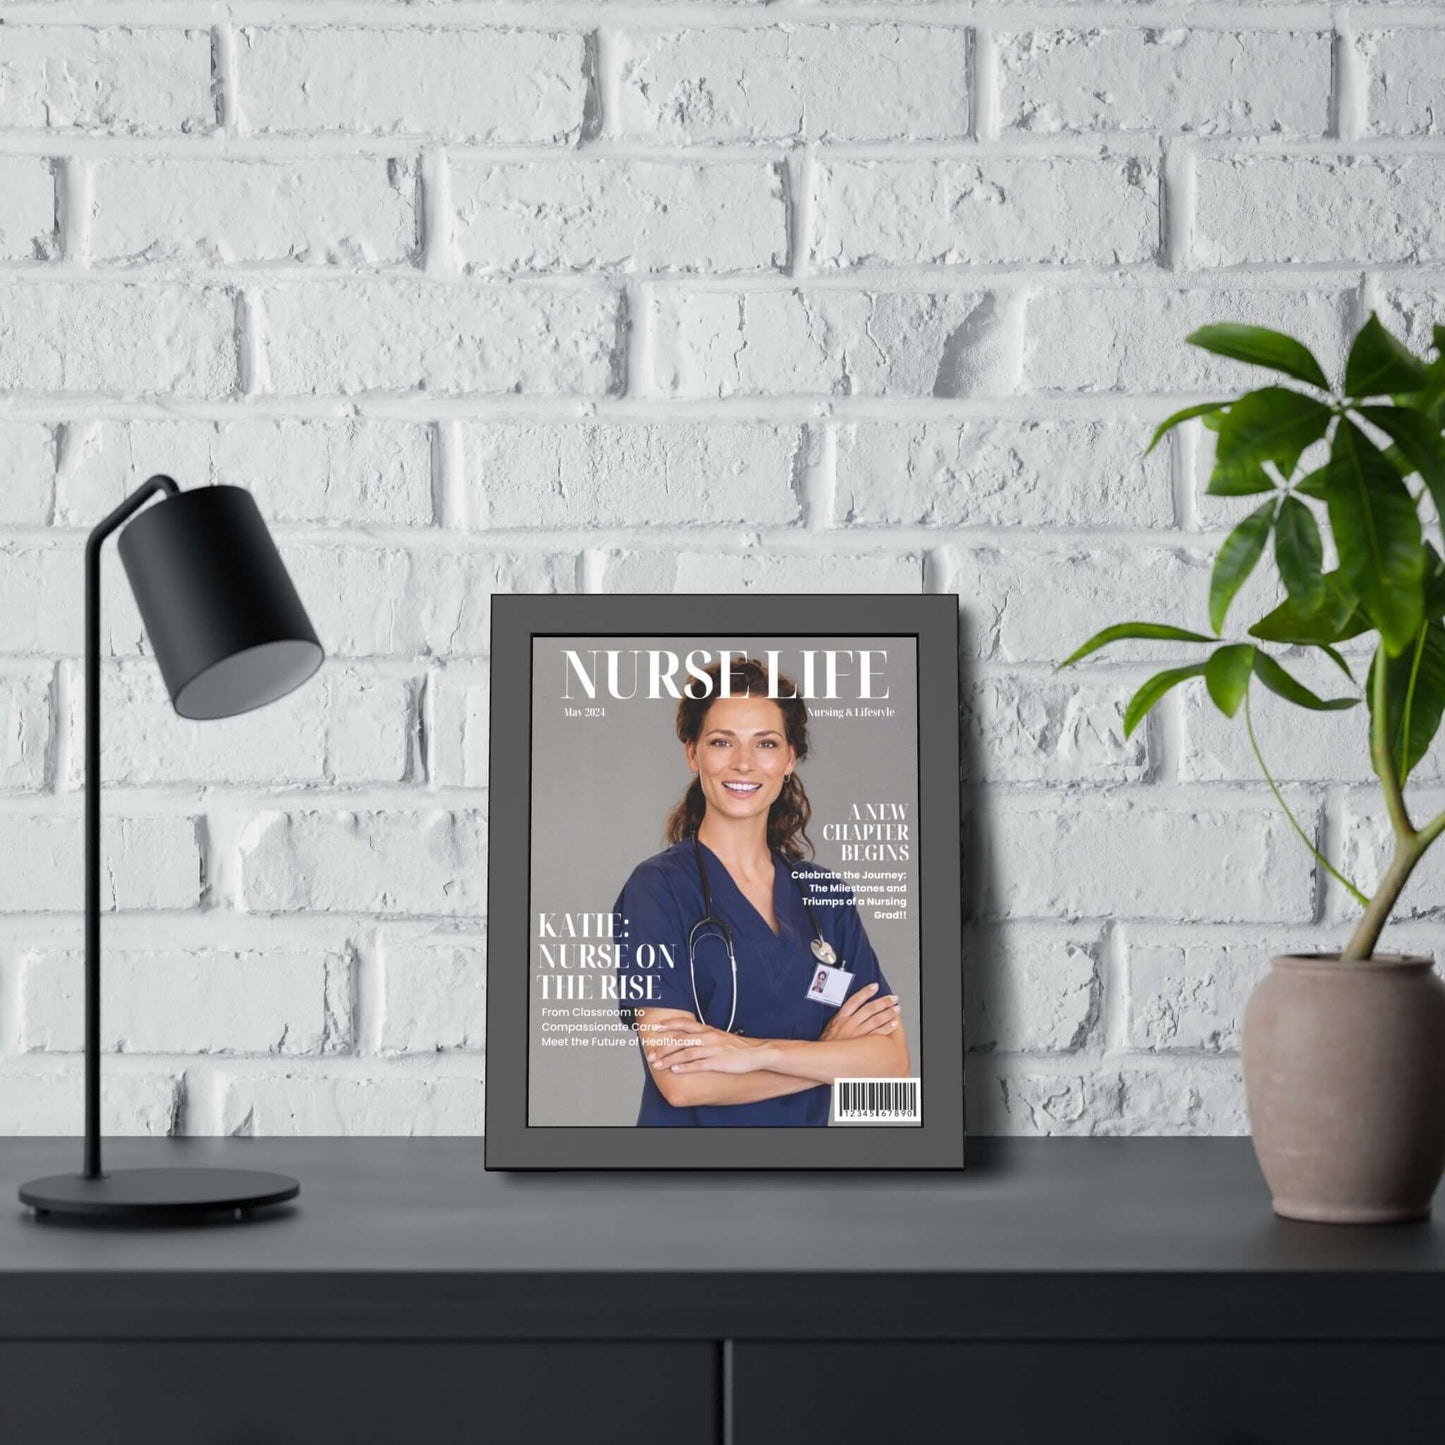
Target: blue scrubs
[{"x": 659, "y": 904}]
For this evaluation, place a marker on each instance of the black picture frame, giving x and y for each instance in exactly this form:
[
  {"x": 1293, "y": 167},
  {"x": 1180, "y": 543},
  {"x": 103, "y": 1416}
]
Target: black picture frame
[{"x": 936, "y": 1143}]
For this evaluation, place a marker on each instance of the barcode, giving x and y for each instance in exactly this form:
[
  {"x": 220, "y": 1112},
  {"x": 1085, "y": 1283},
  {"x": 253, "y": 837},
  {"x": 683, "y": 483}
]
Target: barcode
[{"x": 876, "y": 1101}]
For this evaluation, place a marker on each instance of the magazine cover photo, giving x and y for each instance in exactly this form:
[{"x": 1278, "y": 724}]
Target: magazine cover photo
[{"x": 723, "y": 893}]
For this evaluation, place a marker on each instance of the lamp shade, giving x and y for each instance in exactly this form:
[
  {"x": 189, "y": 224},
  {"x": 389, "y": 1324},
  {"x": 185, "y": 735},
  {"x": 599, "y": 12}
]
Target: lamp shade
[{"x": 228, "y": 630}]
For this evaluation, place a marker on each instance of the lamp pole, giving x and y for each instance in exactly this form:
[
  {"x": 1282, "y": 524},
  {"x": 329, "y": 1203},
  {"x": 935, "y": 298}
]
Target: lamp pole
[
  {"x": 229, "y": 634},
  {"x": 99, "y": 533}
]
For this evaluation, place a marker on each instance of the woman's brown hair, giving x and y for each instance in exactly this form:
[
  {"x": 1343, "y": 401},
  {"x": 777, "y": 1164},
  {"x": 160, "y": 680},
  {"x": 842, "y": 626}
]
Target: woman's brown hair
[{"x": 788, "y": 817}]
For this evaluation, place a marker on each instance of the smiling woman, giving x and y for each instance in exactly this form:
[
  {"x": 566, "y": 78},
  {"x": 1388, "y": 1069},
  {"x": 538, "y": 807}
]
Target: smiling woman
[{"x": 783, "y": 993}]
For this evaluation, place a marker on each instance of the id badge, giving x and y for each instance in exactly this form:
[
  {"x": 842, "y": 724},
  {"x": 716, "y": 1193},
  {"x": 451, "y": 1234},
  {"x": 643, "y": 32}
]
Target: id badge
[{"x": 828, "y": 985}]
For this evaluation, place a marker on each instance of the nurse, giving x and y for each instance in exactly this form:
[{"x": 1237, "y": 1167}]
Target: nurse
[{"x": 738, "y": 1030}]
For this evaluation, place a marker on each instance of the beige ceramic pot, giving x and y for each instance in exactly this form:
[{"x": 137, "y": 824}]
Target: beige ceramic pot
[{"x": 1344, "y": 1072}]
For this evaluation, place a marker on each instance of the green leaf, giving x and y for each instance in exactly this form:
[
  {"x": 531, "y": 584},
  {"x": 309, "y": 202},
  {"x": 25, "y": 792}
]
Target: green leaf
[
  {"x": 1316, "y": 484},
  {"x": 1434, "y": 583},
  {"x": 1226, "y": 675},
  {"x": 1379, "y": 364},
  {"x": 1132, "y": 632},
  {"x": 1337, "y": 619},
  {"x": 1273, "y": 424},
  {"x": 1246, "y": 482},
  {"x": 1203, "y": 409},
  {"x": 1299, "y": 554},
  {"x": 1261, "y": 347},
  {"x": 1418, "y": 440},
  {"x": 1335, "y": 658},
  {"x": 1424, "y": 701},
  {"x": 1284, "y": 685},
  {"x": 1241, "y": 550},
  {"x": 1144, "y": 700},
  {"x": 1377, "y": 533}
]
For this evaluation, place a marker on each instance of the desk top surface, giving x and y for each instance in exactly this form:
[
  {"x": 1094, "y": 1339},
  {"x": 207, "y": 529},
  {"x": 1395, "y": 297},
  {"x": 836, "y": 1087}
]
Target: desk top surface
[{"x": 381, "y": 1220}]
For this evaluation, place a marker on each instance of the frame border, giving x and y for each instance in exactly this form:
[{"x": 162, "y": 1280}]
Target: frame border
[{"x": 938, "y": 1143}]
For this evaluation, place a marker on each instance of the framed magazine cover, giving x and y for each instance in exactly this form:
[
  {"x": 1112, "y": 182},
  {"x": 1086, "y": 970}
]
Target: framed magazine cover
[{"x": 724, "y": 914}]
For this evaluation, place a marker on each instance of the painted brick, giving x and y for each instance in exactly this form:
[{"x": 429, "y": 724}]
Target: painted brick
[
  {"x": 31, "y": 571},
  {"x": 619, "y": 474},
  {"x": 123, "y": 339},
  {"x": 346, "y": 725},
  {"x": 461, "y": 726},
  {"x": 1038, "y": 606},
  {"x": 105, "y": 77},
  {"x": 1318, "y": 209},
  {"x": 1029, "y": 729},
  {"x": 144, "y": 743},
  {"x": 498, "y": 86},
  {"x": 1039, "y": 991},
  {"x": 51, "y": 1101},
  {"x": 962, "y": 212},
  {"x": 1215, "y": 82},
  {"x": 372, "y": 726},
  {"x": 1412, "y": 315},
  {"x": 147, "y": 862},
  {"x": 1369, "y": 846},
  {"x": 216, "y": 1002},
  {"x": 620, "y": 215},
  {"x": 343, "y": 210},
  {"x": 27, "y": 223},
  {"x": 1060, "y": 856},
  {"x": 1130, "y": 1101},
  {"x": 696, "y": 86},
  {"x": 384, "y": 602},
  {"x": 27, "y": 463},
  {"x": 430, "y": 863},
  {"x": 434, "y": 994},
  {"x": 1404, "y": 68},
  {"x": 1191, "y": 996},
  {"x": 1092, "y": 339},
  {"x": 1001, "y": 474},
  {"x": 24, "y": 729},
  {"x": 829, "y": 343},
  {"x": 372, "y": 1104},
  {"x": 772, "y": 570},
  {"x": 349, "y": 471},
  {"x": 422, "y": 336},
  {"x": 1297, "y": 746}
]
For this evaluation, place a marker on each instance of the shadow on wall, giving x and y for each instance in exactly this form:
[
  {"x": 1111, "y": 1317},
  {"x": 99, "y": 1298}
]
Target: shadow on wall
[{"x": 983, "y": 954}]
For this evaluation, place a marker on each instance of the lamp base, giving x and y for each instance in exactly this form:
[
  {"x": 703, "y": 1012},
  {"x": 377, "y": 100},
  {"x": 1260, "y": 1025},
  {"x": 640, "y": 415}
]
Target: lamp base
[{"x": 158, "y": 1194}]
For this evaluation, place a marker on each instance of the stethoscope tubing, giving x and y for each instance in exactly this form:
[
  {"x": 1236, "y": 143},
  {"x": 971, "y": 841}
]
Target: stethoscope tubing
[{"x": 821, "y": 949}]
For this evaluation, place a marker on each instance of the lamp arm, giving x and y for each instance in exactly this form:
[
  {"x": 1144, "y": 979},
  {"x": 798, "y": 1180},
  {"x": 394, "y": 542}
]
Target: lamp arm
[{"x": 99, "y": 533}]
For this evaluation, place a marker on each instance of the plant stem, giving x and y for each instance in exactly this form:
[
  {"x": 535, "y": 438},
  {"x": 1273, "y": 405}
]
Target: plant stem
[
  {"x": 1410, "y": 701},
  {"x": 1377, "y": 914},
  {"x": 1294, "y": 822},
  {"x": 1380, "y": 752},
  {"x": 1410, "y": 846}
]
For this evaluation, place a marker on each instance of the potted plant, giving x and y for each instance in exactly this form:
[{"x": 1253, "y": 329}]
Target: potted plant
[{"x": 1344, "y": 1054}]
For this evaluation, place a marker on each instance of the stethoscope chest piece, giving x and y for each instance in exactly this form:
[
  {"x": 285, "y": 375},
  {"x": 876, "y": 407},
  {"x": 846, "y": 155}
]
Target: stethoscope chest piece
[{"x": 823, "y": 951}]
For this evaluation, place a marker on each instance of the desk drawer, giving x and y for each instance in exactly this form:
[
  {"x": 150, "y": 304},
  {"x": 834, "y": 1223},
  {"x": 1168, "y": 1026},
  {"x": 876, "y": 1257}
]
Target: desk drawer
[
  {"x": 362, "y": 1394},
  {"x": 1123, "y": 1394}
]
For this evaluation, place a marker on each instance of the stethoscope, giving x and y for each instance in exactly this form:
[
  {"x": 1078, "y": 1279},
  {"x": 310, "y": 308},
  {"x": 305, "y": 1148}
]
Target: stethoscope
[{"x": 821, "y": 948}]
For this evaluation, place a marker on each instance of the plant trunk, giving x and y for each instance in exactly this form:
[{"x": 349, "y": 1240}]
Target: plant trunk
[{"x": 1377, "y": 915}]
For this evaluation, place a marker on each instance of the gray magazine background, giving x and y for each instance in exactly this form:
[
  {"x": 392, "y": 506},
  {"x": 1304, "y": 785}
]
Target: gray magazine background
[{"x": 602, "y": 788}]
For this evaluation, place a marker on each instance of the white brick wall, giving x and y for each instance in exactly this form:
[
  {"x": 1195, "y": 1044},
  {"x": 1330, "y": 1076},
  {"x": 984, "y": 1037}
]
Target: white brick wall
[{"x": 881, "y": 296}]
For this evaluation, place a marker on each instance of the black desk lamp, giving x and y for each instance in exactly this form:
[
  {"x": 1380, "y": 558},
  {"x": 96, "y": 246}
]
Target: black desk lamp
[{"x": 230, "y": 634}]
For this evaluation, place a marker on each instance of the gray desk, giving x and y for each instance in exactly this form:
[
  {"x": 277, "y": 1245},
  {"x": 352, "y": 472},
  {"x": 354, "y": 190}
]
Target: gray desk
[{"x": 1119, "y": 1290}]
